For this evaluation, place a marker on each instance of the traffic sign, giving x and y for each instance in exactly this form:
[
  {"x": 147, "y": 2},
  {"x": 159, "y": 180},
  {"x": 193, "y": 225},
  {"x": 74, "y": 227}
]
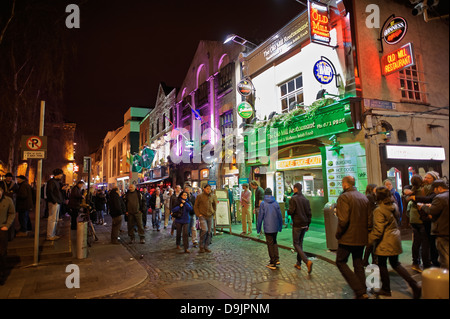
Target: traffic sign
[{"x": 34, "y": 147}]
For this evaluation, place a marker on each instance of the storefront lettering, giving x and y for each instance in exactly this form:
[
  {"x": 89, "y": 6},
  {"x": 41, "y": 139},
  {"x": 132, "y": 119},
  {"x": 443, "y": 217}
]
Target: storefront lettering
[{"x": 397, "y": 60}]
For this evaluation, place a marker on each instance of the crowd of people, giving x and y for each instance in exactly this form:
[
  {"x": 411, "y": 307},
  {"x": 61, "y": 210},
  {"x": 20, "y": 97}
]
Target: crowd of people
[{"x": 368, "y": 224}]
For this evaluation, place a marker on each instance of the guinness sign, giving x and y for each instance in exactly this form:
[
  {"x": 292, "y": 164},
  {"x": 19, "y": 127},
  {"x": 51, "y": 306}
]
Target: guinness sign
[{"x": 395, "y": 30}]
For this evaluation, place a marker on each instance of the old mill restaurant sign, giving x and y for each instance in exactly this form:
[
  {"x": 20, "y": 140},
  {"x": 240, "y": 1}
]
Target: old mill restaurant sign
[
  {"x": 397, "y": 60},
  {"x": 319, "y": 22},
  {"x": 332, "y": 119}
]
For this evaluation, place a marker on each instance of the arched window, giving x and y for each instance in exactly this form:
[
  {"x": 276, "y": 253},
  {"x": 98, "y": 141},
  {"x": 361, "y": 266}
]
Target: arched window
[{"x": 224, "y": 60}]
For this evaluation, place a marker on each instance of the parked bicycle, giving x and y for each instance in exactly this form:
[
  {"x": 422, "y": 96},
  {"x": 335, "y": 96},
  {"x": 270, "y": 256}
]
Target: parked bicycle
[{"x": 84, "y": 216}]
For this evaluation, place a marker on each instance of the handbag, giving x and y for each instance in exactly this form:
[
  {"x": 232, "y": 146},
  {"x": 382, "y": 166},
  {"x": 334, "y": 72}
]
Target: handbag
[{"x": 178, "y": 213}]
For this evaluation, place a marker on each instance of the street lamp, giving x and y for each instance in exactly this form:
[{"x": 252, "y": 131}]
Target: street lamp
[{"x": 241, "y": 41}]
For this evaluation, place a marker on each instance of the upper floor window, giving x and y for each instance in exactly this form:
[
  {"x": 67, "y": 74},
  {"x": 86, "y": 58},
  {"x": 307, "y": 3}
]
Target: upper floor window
[
  {"x": 225, "y": 77},
  {"x": 412, "y": 84},
  {"x": 201, "y": 96},
  {"x": 291, "y": 94},
  {"x": 226, "y": 121}
]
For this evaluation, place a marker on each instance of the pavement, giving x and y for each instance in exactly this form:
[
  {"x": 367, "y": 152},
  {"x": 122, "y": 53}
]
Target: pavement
[{"x": 109, "y": 269}]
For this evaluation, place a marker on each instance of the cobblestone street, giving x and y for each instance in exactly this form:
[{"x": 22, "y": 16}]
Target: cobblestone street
[{"x": 234, "y": 269}]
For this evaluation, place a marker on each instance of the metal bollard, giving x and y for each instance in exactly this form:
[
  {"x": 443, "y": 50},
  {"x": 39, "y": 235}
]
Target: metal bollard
[
  {"x": 82, "y": 240},
  {"x": 435, "y": 283}
]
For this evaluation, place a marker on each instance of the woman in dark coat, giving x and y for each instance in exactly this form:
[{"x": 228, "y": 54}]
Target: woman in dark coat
[
  {"x": 385, "y": 235},
  {"x": 182, "y": 219}
]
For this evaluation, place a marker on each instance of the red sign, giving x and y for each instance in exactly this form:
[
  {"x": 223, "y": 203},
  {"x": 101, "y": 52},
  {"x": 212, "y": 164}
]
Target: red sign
[
  {"x": 397, "y": 60},
  {"x": 319, "y": 22}
]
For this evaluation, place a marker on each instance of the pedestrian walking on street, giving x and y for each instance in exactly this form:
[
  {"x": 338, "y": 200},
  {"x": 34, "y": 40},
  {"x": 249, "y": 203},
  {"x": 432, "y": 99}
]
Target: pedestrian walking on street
[
  {"x": 54, "y": 199},
  {"x": 259, "y": 196},
  {"x": 300, "y": 212},
  {"x": 372, "y": 197},
  {"x": 181, "y": 212},
  {"x": 398, "y": 199},
  {"x": 354, "y": 222},
  {"x": 156, "y": 203},
  {"x": 270, "y": 217},
  {"x": 246, "y": 199},
  {"x": 24, "y": 204},
  {"x": 427, "y": 198},
  {"x": 100, "y": 206},
  {"x": 192, "y": 217},
  {"x": 167, "y": 195},
  {"x": 75, "y": 200},
  {"x": 386, "y": 235},
  {"x": 7, "y": 216},
  {"x": 116, "y": 209},
  {"x": 205, "y": 209},
  {"x": 135, "y": 207},
  {"x": 173, "y": 203},
  {"x": 420, "y": 244},
  {"x": 438, "y": 211}
]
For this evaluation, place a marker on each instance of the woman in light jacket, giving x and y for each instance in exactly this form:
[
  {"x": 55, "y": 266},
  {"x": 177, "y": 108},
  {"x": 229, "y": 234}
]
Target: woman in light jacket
[{"x": 385, "y": 235}]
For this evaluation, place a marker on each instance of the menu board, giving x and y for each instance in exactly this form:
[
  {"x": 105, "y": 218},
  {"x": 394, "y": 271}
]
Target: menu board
[
  {"x": 223, "y": 213},
  {"x": 351, "y": 161},
  {"x": 279, "y": 184}
]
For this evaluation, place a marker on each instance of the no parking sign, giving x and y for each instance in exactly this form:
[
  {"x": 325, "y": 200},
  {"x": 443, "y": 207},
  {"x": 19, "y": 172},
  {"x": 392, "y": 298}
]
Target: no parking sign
[{"x": 34, "y": 147}]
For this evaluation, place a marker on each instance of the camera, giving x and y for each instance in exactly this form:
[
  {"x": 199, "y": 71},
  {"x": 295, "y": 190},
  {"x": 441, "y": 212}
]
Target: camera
[{"x": 418, "y": 9}]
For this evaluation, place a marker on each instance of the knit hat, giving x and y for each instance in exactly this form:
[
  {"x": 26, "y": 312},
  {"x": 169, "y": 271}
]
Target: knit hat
[
  {"x": 268, "y": 191},
  {"x": 439, "y": 183},
  {"x": 434, "y": 174}
]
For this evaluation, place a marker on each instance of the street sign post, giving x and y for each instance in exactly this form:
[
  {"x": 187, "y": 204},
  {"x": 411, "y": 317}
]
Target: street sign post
[{"x": 34, "y": 147}]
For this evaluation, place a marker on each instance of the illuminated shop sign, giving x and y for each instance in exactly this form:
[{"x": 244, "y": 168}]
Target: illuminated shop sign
[
  {"x": 395, "y": 30},
  {"x": 323, "y": 71},
  {"x": 319, "y": 22},
  {"x": 245, "y": 87},
  {"x": 397, "y": 60},
  {"x": 301, "y": 162},
  {"x": 245, "y": 110},
  {"x": 415, "y": 152}
]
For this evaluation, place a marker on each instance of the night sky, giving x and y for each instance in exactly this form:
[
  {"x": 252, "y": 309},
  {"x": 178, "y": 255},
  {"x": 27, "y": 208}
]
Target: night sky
[{"x": 126, "y": 48}]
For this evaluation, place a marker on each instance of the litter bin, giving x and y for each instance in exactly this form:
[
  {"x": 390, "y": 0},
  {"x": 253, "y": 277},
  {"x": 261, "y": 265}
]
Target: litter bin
[
  {"x": 82, "y": 239},
  {"x": 331, "y": 223},
  {"x": 435, "y": 283}
]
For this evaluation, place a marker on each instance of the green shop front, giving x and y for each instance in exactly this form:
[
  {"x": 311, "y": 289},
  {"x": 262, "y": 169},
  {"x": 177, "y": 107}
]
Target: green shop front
[{"x": 316, "y": 148}]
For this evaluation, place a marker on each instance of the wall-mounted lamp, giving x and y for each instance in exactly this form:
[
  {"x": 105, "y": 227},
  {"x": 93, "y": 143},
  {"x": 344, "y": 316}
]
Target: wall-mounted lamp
[
  {"x": 324, "y": 92},
  {"x": 241, "y": 41}
]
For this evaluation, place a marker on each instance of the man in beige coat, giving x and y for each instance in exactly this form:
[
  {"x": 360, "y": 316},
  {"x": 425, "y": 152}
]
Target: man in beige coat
[{"x": 205, "y": 208}]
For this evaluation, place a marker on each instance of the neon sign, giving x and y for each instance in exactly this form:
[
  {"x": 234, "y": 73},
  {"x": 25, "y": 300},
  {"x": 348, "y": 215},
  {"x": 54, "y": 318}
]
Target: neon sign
[
  {"x": 397, "y": 60},
  {"x": 319, "y": 22},
  {"x": 395, "y": 30}
]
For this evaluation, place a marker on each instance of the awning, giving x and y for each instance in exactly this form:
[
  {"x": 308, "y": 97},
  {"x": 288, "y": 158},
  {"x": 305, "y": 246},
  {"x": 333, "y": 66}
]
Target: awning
[{"x": 153, "y": 181}]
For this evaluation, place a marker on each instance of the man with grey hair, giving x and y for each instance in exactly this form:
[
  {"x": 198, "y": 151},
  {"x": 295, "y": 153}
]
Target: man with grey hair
[{"x": 354, "y": 222}]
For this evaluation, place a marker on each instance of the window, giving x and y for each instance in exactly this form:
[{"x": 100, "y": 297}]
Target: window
[
  {"x": 291, "y": 94},
  {"x": 412, "y": 85},
  {"x": 225, "y": 77},
  {"x": 201, "y": 96},
  {"x": 226, "y": 121}
]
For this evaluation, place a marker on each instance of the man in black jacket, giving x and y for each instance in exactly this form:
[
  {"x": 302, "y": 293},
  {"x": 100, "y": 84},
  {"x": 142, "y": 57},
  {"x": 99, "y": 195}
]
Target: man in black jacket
[
  {"x": 135, "y": 206},
  {"x": 75, "y": 200},
  {"x": 300, "y": 212},
  {"x": 54, "y": 199},
  {"x": 116, "y": 209},
  {"x": 24, "y": 204}
]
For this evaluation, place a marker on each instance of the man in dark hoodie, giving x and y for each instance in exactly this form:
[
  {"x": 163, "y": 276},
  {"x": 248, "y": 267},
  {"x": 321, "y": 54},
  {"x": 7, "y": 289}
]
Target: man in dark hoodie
[
  {"x": 300, "y": 212},
  {"x": 270, "y": 216},
  {"x": 24, "y": 204}
]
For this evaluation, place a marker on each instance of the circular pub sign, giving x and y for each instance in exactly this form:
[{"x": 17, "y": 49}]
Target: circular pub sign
[
  {"x": 245, "y": 87},
  {"x": 245, "y": 110},
  {"x": 395, "y": 30},
  {"x": 323, "y": 72}
]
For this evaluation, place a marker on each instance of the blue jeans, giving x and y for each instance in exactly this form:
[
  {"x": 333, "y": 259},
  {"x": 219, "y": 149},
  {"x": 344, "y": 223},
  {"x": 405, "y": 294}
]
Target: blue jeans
[
  {"x": 24, "y": 220},
  {"x": 298, "y": 233},
  {"x": 156, "y": 218},
  {"x": 205, "y": 231}
]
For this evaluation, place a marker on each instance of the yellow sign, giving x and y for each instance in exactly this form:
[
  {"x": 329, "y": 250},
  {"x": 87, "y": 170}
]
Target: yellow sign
[{"x": 300, "y": 162}]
